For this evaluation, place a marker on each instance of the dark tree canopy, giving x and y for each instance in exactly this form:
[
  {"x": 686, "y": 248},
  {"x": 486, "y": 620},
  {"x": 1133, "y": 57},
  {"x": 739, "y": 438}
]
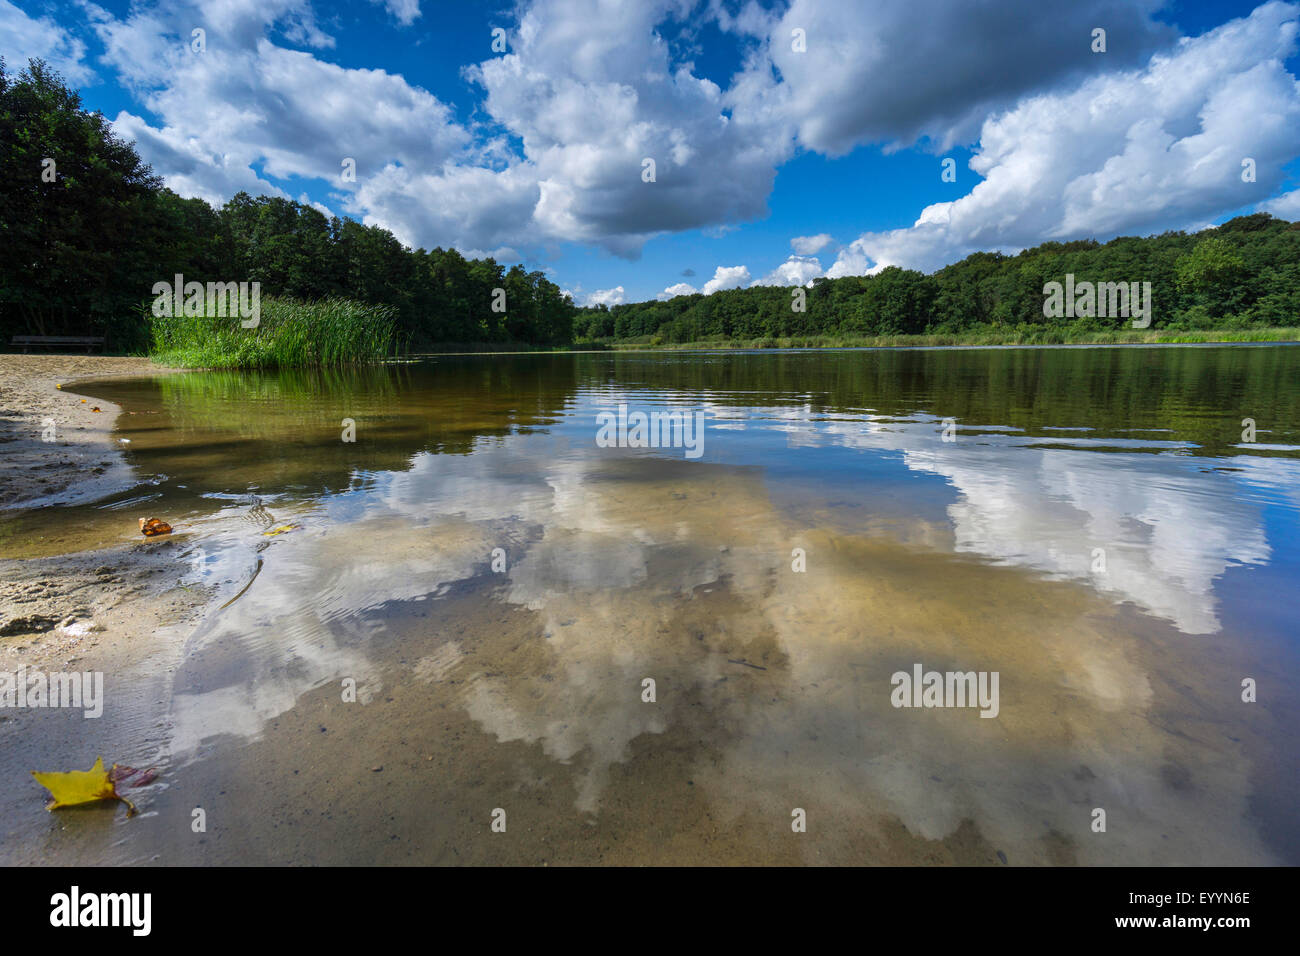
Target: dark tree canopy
[
  {"x": 1245, "y": 273},
  {"x": 82, "y": 251},
  {"x": 78, "y": 223}
]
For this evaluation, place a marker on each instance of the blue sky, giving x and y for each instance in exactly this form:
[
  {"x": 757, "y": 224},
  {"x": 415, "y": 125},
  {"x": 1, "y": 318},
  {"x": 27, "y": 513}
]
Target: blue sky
[{"x": 774, "y": 164}]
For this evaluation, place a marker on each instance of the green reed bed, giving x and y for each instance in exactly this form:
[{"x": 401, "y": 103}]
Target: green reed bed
[{"x": 290, "y": 334}]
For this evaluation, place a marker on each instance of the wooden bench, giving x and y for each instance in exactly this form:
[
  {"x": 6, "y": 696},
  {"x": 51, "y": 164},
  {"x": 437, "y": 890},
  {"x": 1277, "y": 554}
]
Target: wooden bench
[{"x": 60, "y": 341}]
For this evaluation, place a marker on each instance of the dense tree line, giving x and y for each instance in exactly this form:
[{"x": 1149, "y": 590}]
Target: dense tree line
[
  {"x": 1244, "y": 273},
  {"x": 86, "y": 230}
]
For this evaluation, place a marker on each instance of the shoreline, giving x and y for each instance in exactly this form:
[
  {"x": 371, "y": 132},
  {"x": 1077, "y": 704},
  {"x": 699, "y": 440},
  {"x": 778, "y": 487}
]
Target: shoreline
[
  {"x": 814, "y": 343},
  {"x": 975, "y": 340},
  {"x": 957, "y": 340},
  {"x": 82, "y": 463},
  {"x": 56, "y": 611}
]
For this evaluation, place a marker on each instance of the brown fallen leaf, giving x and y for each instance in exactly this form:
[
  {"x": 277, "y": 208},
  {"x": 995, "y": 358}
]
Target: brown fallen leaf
[
  {"x": 131, "y": 776},
  {"x": 74, "y": 787},
  {"x": 95, "y": 409},
  {"x": 154, "y": 527}
]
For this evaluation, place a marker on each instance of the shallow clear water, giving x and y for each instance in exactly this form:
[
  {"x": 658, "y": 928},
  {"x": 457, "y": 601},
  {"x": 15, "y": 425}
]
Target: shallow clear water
[{"x": 1096, "y": 532}]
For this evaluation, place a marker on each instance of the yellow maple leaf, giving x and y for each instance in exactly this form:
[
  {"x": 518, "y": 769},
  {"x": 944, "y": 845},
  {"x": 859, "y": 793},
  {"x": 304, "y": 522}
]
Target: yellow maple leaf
[
  {"x": 282, "y": 529},
  {"x": 81, "y": 786}
]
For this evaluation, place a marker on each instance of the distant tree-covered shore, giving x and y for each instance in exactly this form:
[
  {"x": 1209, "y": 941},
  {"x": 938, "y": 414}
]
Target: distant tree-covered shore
[{"x": 1244, "y": 274}]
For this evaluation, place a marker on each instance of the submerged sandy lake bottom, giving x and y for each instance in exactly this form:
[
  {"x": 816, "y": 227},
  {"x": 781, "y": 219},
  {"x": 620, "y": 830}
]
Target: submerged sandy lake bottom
[{"x": 461, "y": 625}]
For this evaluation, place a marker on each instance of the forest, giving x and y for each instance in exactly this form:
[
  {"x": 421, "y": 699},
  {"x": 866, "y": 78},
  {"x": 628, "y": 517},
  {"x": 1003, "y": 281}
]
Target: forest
[
  {"x": 1244, "y": 274},
  {"x": 86, "y": 229}
]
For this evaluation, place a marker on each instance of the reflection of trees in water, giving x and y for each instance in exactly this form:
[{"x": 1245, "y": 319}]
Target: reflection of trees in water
[
  {"x": 283, "y": 430},
  {"x": 1200, "y": 393}
]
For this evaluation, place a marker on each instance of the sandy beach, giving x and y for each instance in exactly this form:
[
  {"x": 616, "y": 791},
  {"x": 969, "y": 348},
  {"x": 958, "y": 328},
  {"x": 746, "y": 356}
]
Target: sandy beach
[{"x": 61, "y": 610}]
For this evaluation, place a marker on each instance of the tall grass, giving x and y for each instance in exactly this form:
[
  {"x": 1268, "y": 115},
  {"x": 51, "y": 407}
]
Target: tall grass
[{"x": 290, "y": 334}]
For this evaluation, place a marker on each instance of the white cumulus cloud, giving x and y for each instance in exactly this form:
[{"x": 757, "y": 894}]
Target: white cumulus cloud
[
  {"x": 681, "y": 288},
  {"x": 796, "y": 270},
  {"x": 727, "y": 277},
  {"x": 1285, "y": 206},
  {"x": 810, "y": 245},
  {"x": 614, "y": 296}
]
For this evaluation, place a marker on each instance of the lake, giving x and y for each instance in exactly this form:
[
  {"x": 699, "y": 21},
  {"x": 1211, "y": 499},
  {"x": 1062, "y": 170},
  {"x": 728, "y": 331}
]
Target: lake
[{"x": 473, "y": 613}]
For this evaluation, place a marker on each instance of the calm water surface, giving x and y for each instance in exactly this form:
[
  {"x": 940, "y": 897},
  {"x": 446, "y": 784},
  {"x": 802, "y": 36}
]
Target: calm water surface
[{"x": 1097, "y": 532}]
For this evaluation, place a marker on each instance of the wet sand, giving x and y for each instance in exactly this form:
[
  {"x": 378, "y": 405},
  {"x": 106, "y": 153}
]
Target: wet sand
[
  {"x": 115, "y": 610},
  {"x": 51, "y": 606},
  {"x": 82, "y": 462}
]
